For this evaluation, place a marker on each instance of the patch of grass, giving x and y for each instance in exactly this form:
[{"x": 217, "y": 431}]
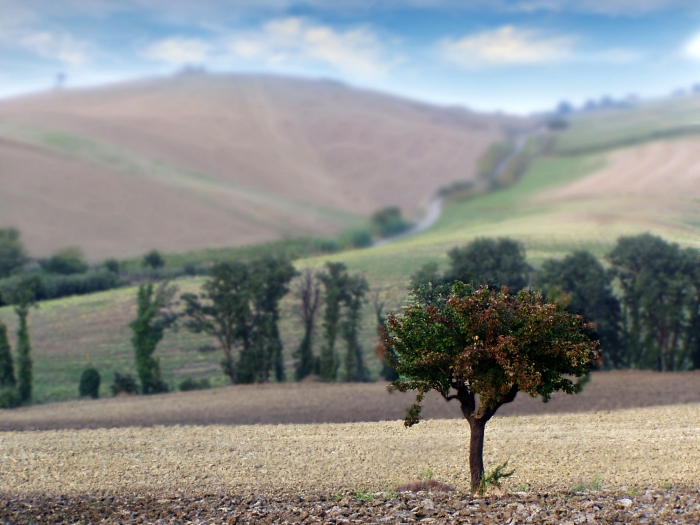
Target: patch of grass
[
  {"x": 667, "y": 486},
  {"x": 494, "y": 477},
  {"x": 594, "y": 485},
  {"x": 634, "y": 492},
  {"x": 364, "y": 495}
]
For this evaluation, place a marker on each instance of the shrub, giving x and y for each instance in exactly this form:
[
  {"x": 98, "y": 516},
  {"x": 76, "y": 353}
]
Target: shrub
[
  {"x": 124, "y": 384},
  {"x": 90, "y": 383},
  {"x": 57, "y": 286},
  {"x": 112, "y": 265},
  {"x": 153, "y": 259},
  {"x": 65, "y": 262},
  {"x": 355, "y": 239},
  {"x": 9, "y": 397},
  {"x": 193, "y": 384},
  {"x": 12, "y": 253},
  {"x": 388, "y": 221}
]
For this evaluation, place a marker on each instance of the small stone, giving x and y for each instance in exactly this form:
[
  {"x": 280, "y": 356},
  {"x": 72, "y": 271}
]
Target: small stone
[{"x": 625, "y": 502}]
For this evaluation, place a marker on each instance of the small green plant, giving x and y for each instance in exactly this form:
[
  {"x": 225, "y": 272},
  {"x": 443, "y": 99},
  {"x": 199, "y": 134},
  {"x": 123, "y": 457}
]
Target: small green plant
[
  {"x": 594, "y": 485},
  {"x": 522, "y": 487},
  {"x": 494, "y": 477},
  {"x": 426, "y": 475},
  {"x": 666, "y": 486},
  {"x": 390, "y": 491},
  {"x": 89, "y": 383},
  {"x": 634, "y": 492},
  {"x": 364, "y": 495},
  {"x": 337, "y": 496}
]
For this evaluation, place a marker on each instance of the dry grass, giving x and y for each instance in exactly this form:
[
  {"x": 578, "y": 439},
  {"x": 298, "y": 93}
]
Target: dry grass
[
  {"x": 238, "y": 158},
  {"x": 337, "y": 403},
  {"x": 646, "y": 447}
]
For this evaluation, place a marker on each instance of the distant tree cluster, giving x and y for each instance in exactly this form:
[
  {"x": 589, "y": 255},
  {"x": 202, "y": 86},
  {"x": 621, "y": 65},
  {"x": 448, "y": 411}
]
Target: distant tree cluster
[
  {"x": 239, "y": 307},
  {"x": 653, "y": 322},
  {"x": 342, "y": 296}
]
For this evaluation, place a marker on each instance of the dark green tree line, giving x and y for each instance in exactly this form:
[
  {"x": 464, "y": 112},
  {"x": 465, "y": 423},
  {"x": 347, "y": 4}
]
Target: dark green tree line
[
  {"x": 581, "y": 284},
  {"x": 660, "y": 298},
  {"x": 239, "y": 307},
  {"x": 344, "y": 299}
]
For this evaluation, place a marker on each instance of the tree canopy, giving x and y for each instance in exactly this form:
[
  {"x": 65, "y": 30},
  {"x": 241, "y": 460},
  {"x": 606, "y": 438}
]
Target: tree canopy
[
  {"x": 489, "y": 344},
  {"x": 660, "y": 285},
  {"x": 239, "y": 307},
  {"x": 583, "y": 286},
  {"x": 493, "y": 262}
]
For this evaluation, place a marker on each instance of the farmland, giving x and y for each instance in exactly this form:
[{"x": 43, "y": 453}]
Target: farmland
[
  {"x": 215, "y": 161},
  {"x": 647, "y": 447},
  {"x": 563, "y": 202}
]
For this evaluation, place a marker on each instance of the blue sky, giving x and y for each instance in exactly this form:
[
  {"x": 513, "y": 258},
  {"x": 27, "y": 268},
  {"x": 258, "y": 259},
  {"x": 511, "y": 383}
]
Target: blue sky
[{"x": 512, "y": 55}]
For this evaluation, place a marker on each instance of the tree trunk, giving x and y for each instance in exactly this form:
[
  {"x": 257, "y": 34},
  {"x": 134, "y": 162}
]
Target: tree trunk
[{"x": 477, "y": 427}]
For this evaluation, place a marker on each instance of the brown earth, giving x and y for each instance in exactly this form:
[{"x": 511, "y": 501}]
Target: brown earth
[
  {"x": 659, "y": 506},
  {"x": 338, "y": 403},
  {"x": 208, "y": 160}
]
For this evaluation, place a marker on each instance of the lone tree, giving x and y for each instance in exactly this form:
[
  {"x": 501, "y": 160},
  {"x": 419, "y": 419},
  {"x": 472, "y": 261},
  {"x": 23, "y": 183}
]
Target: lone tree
[{"x": 489, "y": 344}]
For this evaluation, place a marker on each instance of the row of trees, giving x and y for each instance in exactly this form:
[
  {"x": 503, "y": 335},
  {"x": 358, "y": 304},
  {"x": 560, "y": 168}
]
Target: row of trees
[
  {"x": 239, "y": 307},
  {"x": 16, "y": 373},
  {"x": 645, "y": 305}
]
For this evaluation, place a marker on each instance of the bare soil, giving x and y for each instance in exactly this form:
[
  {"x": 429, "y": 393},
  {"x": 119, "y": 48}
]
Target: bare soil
[
  {"x": 312, "y": 402},
  {"x": 660, "y": 506}
]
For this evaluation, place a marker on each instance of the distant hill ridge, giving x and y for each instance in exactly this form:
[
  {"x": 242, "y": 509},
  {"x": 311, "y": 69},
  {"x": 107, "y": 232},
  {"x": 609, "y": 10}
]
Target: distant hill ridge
[{"x": 203, "y": 160}]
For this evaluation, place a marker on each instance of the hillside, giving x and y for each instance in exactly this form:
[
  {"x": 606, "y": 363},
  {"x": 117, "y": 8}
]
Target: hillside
[
  {"x": 200, "y": 161},
  {"x": 564, "y": 201}
]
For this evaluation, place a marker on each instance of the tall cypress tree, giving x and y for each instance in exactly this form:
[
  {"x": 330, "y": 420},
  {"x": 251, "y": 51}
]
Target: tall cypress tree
[
  {"x": 24, "y": 357},
  {"x": 309, "y": 294},
  {"x": 335, "y": 286},
  {"x": 152, "y": 318},
  {"x": 7, "y": 367},
  {"x": 354, "y": 300}
]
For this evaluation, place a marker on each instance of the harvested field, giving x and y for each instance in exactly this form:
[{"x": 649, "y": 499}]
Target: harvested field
[
  {"x": 658, "y": 169},
  {"x": 337, "y": 403},
  {"x": 647, "y": 447},
  {"x": 272, "y": 157}
]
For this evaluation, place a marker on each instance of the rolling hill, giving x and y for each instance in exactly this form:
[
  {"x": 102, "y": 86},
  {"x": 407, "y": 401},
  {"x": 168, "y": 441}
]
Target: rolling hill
[
  {"x": 612, "y": 173},
  {"x": 198, "y": 161}
]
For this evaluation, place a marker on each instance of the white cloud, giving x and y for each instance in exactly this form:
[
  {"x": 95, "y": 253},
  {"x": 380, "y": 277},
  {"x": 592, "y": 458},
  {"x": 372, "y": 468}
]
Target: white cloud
[
  {"x": 692, "y": 48},
  {"x": 506, "y": 46},
  {"x": 178, "y": 51},
  {"x": 63, "y": 47},
  {"x": 297, "y": 41}
]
